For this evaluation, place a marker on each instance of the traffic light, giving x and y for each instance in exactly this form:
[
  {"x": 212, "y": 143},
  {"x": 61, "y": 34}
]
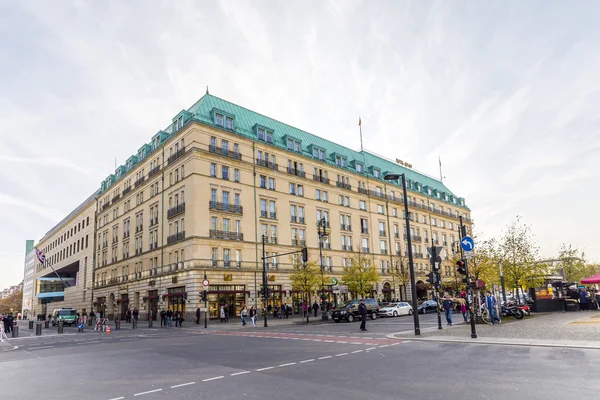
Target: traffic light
[
  {"x": 431, "y": 278},
  {"x": 461, "y": 267},
  {"x": 264, "y": 292},
  {"x": 201, "y": 296},
  {"x": 305, "y": 255}
]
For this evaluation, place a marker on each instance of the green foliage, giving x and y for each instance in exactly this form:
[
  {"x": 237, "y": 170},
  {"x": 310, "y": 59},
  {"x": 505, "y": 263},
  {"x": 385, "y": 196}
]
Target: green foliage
[
  {"x": 360, "y": 276},
  {"x": 306, "y": 279},
  {"x": 573, "y": 262},
  {"x": 11, "y": 304}
]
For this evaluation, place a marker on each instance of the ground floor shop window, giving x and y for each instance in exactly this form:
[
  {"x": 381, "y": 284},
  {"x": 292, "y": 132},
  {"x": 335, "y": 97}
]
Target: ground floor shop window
[
  {"x": 176, "y": 299},
  {"x": 233, "y": 297}
]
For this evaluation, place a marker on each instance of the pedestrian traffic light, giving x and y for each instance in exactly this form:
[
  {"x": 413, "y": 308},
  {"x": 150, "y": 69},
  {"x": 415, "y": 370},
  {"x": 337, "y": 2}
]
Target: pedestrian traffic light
[
  {"x": 431, "y": 278},
  {"x": 461, "y": 267},
  {"x": 264, "y": 292},
  {"x": 305, "y": 255},
  {"x": 201, "y": 296}
]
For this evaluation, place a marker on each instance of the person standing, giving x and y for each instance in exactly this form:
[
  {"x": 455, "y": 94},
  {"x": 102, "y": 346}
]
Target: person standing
[
  {"x": 136, "y": 314},
  {"x": 8, "y": 321},
  {"x": 304, "y": 309},
  {"x": 222, "y": 314},
  {"x": 491, "y": 303},
  {"x": 362, "y": 310},
  {"x": 447, "y": 306},
  {"x": 198, "y": 315},
  {"x": 285, "y": 311},
  {"x": 244, "y": 315},
  {"x": 463, "y": 310},
  {"x": 583, "y": 300},
  {"x": 315, "y": 308},
  {"x": 253, "y": 316},
  {"x": 169, "y": 318},
  {"x": 163, "y": 319}
]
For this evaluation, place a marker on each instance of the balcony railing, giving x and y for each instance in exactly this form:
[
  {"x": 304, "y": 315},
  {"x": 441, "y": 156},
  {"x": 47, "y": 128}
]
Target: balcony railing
[
  {"x": 226, "y": 235},
  {"x": 382, "y": 233},
  {"x": 176, "y": 210},
  {"x": 139, "y": 228},
  {"x": 301, "y": 220},
  {"x": 320, "y": 178},
  {"x": 362, "y": 190},
  {"x": 396, "y": 235},
  {"x": 153, "y": 171},
  {"x": 106, "y": 205},
  {"x": 176, "y": 155},
  {"x": 294, "y": 219},
  {"x": 343, "y": 185},
  {"x": 176, "y": 237},
  {"x": 116, "y": 197},
  {"x": 416, "y": 238},
  {"x": 232, "y": 208},
  {"x": 139, "y": 181},
  {"x": 266, "y": 163},
  {"x": 383, "y": 251},
  {"x": 225, "y": 152},
  {"x": 297, "y": 172},
  {"x": 153, "y": 221},
  {"x": 125, "y": 235},
  {"x": 345, "y": 227},
  {"x": 126, "y": 190},
  {"x": 364, "y": 230},
  {"x": 270, "y": 215},
  {"x": 365, "y": 250}
]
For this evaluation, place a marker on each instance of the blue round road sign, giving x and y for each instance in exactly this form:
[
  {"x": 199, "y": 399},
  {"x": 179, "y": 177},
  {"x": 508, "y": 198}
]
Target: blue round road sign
[
  {"x": 80, "y": 326},
  {"x": 467, "y": 243}
]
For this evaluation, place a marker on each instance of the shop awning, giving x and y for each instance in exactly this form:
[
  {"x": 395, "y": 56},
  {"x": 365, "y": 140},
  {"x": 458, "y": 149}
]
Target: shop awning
[
  {"x": 49, "y": 294},
  {"x": 591, "y": 279}
]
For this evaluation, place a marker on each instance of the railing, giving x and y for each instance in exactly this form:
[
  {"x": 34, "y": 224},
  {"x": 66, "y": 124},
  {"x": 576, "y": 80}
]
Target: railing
[
  {"x": 297, "y": 172},
  {"x": 116, "y": 197},
  {"x": 365, "y": 250},
  {"x": 153, "y": 171},
  {"x": 176, "y": 237},
  {"x": 178, "y": 209},
  {"x": 418, "y": 255},
  {"x": 226, "y": 235},
  {"x": 153, "y": 221},
  {"x": 382, "y": 233},
  {"x": 293, "y": 218},
  {"x": 396, "y": 235},
  {"x": 364, "y": 230},
  {"x": 301, "y": 220},
  {"x": 232, "y": 208},
  {"x": 105, "y": 205},
  {"x": 362, "y": 190},
  {"x": 126, "y": 190},
  {"x": 320, "y": 178},
  {"x": 343, "y": 185},
  {"x": 139, "y": 181},
  {"x": 176, "y": 155},
  {"x": 225, "y": 152},
  {"x": 115, "y": 240},
  {"x": 345, "y": 227},
  {"x": 377, "y": 194},
  {"x": 266, "y": 163},
  {"x": 383, "y": 251},
  {"x": 139, "y": 228}
]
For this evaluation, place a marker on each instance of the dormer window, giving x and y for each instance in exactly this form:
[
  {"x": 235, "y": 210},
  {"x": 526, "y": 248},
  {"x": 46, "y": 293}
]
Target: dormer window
[
  {"x": 376, "y": 173},
  {"x": 219, "y": 119},
  {"x": 181, "y": 122},
  {"x": 269, "y": 137},
  {"x": 261, "y": 134},
  {"x": 340, "y": 161},
  {"x": 429, "y": 191},
  {"x": 359, "y": 167},
  {"x": 229, "y": 123},
  {"x": 438, "y": 195}
]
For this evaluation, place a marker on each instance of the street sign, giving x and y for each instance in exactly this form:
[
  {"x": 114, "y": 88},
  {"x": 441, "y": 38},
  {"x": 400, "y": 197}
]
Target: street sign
[
  {"x": 334, "y": 281},
  {"x": 205, "y": 282},
  {"x": 467, "y": 243},
  {"x": 468, "y": 254},
  {"x": 80, "y": 326},
  {"x": 438, "y": 251}
]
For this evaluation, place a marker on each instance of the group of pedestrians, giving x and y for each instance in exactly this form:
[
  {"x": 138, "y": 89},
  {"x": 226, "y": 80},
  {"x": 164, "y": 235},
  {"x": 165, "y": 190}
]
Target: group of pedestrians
[
  {"x": 167, "y": 317},
  {"x": 7, "y": 320}
]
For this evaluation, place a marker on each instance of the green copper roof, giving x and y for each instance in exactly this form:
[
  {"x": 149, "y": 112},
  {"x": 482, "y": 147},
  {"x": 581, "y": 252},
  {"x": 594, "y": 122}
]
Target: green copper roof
[{"x": 246, "y": 123}]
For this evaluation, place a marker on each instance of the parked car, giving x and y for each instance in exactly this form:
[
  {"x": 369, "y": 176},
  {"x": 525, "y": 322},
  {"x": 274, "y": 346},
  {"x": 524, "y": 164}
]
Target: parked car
[
  {"x": 395, "y": 309},
  {"x": 67, "y": 315},
  {"x": 427, "y": 305},
  {"x": 349, "y": 310}
]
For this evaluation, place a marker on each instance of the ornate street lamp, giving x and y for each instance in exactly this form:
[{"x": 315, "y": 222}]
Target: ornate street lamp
[{"x": 322, "y": 232}]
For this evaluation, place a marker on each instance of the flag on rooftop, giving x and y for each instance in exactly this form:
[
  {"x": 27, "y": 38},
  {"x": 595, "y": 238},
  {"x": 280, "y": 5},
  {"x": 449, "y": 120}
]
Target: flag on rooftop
[{"x": 40, "y": 255}]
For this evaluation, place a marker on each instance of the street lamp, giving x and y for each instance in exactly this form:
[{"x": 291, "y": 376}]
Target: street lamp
[
  {"x": 322, "y": 232},
  {"x": 411, "y": 266}
]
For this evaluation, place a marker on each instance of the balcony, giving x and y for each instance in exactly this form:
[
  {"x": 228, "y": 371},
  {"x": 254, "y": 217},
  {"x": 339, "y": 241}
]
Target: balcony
[
  {"x": 176, "y": 237},
  {"x": 343, "y": 185},
  {"x": 266, "y": 163},
  {"x": 139, "y": 228},
  {"x": 115, "y": 240},
  {"x": 126, "y": 190},
  {"x": 321, "y": 179},
  {"x": 105, "y": 205},
  {"x": 153, "y": 221},
  {"x": 362, "y": 190},
  {"x": 226, "y": 235},
  {"x": 365, "y": 250},
  {"x": 225, "y": 152},
  {"x": 381, "y": 233},
  {"x": 232, "y": 208},
  {"x": 270, "y": 215},
  {"x": 174, "y": 211},
  {"x": 301, "y": 220},
  {"x": 297, "y": 172},
  {"x": 344, "y": 227},
  {"x": 176, "y": 155},
  {"x": 125, "y": 235},
  {"x": 139, "y": 181},
  {"x": 377, "y": 194},
  {"x": 294, "y": 219},
  {"x": 383, "y": 251},
  {"x": 153, "y": 171},
  {"x": 116, "y": 197},
  {"x": 364, "y": 230}
]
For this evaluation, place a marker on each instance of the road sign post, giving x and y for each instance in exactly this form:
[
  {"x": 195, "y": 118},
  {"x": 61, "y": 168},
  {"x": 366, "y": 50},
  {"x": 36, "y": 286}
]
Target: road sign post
[{"x": 467, "y": 244}]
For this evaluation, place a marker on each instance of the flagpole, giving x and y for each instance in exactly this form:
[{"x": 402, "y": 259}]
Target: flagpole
[
  {"x": 360, "y": 127},
  {"x": 41, "y": 257}
]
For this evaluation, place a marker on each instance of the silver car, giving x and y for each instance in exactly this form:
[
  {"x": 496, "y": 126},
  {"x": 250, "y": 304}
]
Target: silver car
[{"x": 396, "y": 309}]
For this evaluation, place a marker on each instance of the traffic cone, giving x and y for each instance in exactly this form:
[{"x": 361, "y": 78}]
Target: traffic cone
[{"x": 108, "y": 329}]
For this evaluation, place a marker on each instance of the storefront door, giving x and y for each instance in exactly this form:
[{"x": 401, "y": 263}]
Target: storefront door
[{"x": 231, "y": 296}]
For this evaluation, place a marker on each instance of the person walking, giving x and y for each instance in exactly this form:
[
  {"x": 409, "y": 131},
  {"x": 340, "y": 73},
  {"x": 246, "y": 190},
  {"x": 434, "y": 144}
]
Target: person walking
[
  {"x": 304, "y": 309},
  {"x": 463, "y": 310},
  {"x": 136, "y": 314},
  {"x": 8, "y": 322},
  {"x": 315, "y": 308},
  {"x": 127, "y": 316},
  {"x": 447, "y": 306},
  {"x": 198, "y": 315},
  {"x": 286, "y": 311},
  {"x": 169, "y": 318},
  {"x": 491, "y": 303},
  {"x": 362, "y": 310},
  {"x": 253, "y": 316},
  {"x": 222, "y": 314},
  {"x": 244, "y": 315},
  {"x": 583, "y": 300},
  {"x": 163, "y": 319}
]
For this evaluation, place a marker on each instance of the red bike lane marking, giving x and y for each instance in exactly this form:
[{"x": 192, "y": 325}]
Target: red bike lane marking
[{"x": 317, "y": 338}]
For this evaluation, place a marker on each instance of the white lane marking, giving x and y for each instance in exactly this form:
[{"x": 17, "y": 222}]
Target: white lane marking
[
  {"x": 324, "y": 358},
  {"x": 329, "y": 341},
  {"x": 394, "y": 344},
  {"x": 369, "y": 338},
  {"x": 341, "y": 354},
  {"x": 370, "y": 348},
  {"x": 339, "y": 341},
  {"x": 287, "y": 365},
  {"x": 240, "y": 373},
  {"x": 353, "y": 337},
  {"x": 148, "y": 392},
  {"x": 356, "y": 351},
  {"x": 305, "y": 361},
  {"x": 295, "y": 338},
  {"x": 213, "y": 379},
  {"x": 41, "y": 347},
  {"x": 183, "y": 384},
  {"x": 303, "y": 339},
  {"x": 355, "y": 343},
  {"x": 317, "y": 340},
  {"x": 264, "y": 369},
  {"x": 369, "y": 344},
  {"x": 385, "y": 345},
  {"x": 117, "y": 398}
]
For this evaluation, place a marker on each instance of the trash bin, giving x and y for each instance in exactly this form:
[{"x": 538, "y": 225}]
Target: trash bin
[
  {"x": 46, "y": 324},
  {"x": 38, "y": 329},
  {"x": 30, "y": 324},
  {"x": 61, "y": 326},
  {"x": 15, "y": 330}
]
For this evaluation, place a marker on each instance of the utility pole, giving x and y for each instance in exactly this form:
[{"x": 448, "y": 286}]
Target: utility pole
[
  {"x": 463, "y": 233},
  {"x": 264, "y": 279},
  {"x": 205, "y": 305}
]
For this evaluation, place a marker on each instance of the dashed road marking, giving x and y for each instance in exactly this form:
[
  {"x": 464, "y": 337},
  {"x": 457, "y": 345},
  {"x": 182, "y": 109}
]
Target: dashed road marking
[
  {"x": 325, "y": 357},
  {"x": 356, "y": 351},
  {"x": 117, "y": 398},
  {"x": 341, "y": 354},
  {"x": 305, "y": 361},
  {"x": 213, "y": 379},
  {"x": 370, "y": 348},
  {"x": 240, "y": 373},
  {"x": 148, "y": 392},
  {"x": 385, "y": 345},
  {"x": 329, "y": 341},
  {"x": 41, "y": 347},
  {"x": 264, "y": 369},
  {"x": 287, "y": 364},
  {"x": 183, "y": 384}
]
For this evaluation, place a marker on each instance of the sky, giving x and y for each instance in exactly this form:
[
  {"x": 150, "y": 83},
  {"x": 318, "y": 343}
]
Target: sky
[{"x": 506, "y": 93}]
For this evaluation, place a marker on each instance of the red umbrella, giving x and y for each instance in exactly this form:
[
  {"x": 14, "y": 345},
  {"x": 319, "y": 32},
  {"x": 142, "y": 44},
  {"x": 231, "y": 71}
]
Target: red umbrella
[{"x": 591, "y": 279}]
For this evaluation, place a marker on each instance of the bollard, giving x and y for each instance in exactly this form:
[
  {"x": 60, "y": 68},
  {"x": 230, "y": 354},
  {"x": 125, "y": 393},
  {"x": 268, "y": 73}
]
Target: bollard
[
  {"x": 38, "y": 329},
  {"x": 149, "y": 323},
  {"x": 134, "y": 324},
  {"x": 30, "y": 324},
  {"x": 61, "y": 326},
  {"x": 46, "y": 324},
  {"x": 15, "y": 330},
  {"x": 117, "y": 324}
]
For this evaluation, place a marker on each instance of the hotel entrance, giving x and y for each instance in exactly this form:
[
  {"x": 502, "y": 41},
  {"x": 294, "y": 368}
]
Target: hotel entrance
[
  {"x": 233, "y": 297},
  {"x": 176, "y": 299}
]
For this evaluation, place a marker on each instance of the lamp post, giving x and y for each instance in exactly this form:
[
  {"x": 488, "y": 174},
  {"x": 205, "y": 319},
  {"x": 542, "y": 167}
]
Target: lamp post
[
  {"x": 322, "y": 232},
  {"x": 411, "y": 266}
]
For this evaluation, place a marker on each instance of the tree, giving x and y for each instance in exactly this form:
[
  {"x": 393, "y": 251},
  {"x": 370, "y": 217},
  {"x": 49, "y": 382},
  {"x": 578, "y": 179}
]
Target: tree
[
  {"x": 573, "y": 264},
  {"x": 401, "y": 273},
  {"x": 484, "y": 264},
  {"x": 518, "y": 254},
  {"x": 11, "y": 304},
  {"x": 360, "y": 276},
  {"x": 305, "y": 279}
]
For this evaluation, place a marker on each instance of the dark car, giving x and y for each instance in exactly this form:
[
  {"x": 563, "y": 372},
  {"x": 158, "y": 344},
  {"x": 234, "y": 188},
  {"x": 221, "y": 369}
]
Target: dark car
[
  {"x": 427, "y": 305},
  {"x": 349, "y": 310}
]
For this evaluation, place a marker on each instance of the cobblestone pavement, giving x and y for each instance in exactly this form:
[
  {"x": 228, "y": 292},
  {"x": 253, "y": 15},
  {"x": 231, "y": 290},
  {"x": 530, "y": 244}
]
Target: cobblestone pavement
[{"x": 573, "y": 326}]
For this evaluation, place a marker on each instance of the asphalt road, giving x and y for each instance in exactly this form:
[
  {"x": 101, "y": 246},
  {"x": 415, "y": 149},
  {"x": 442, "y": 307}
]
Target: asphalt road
[{"x": 321, "y": 361}]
